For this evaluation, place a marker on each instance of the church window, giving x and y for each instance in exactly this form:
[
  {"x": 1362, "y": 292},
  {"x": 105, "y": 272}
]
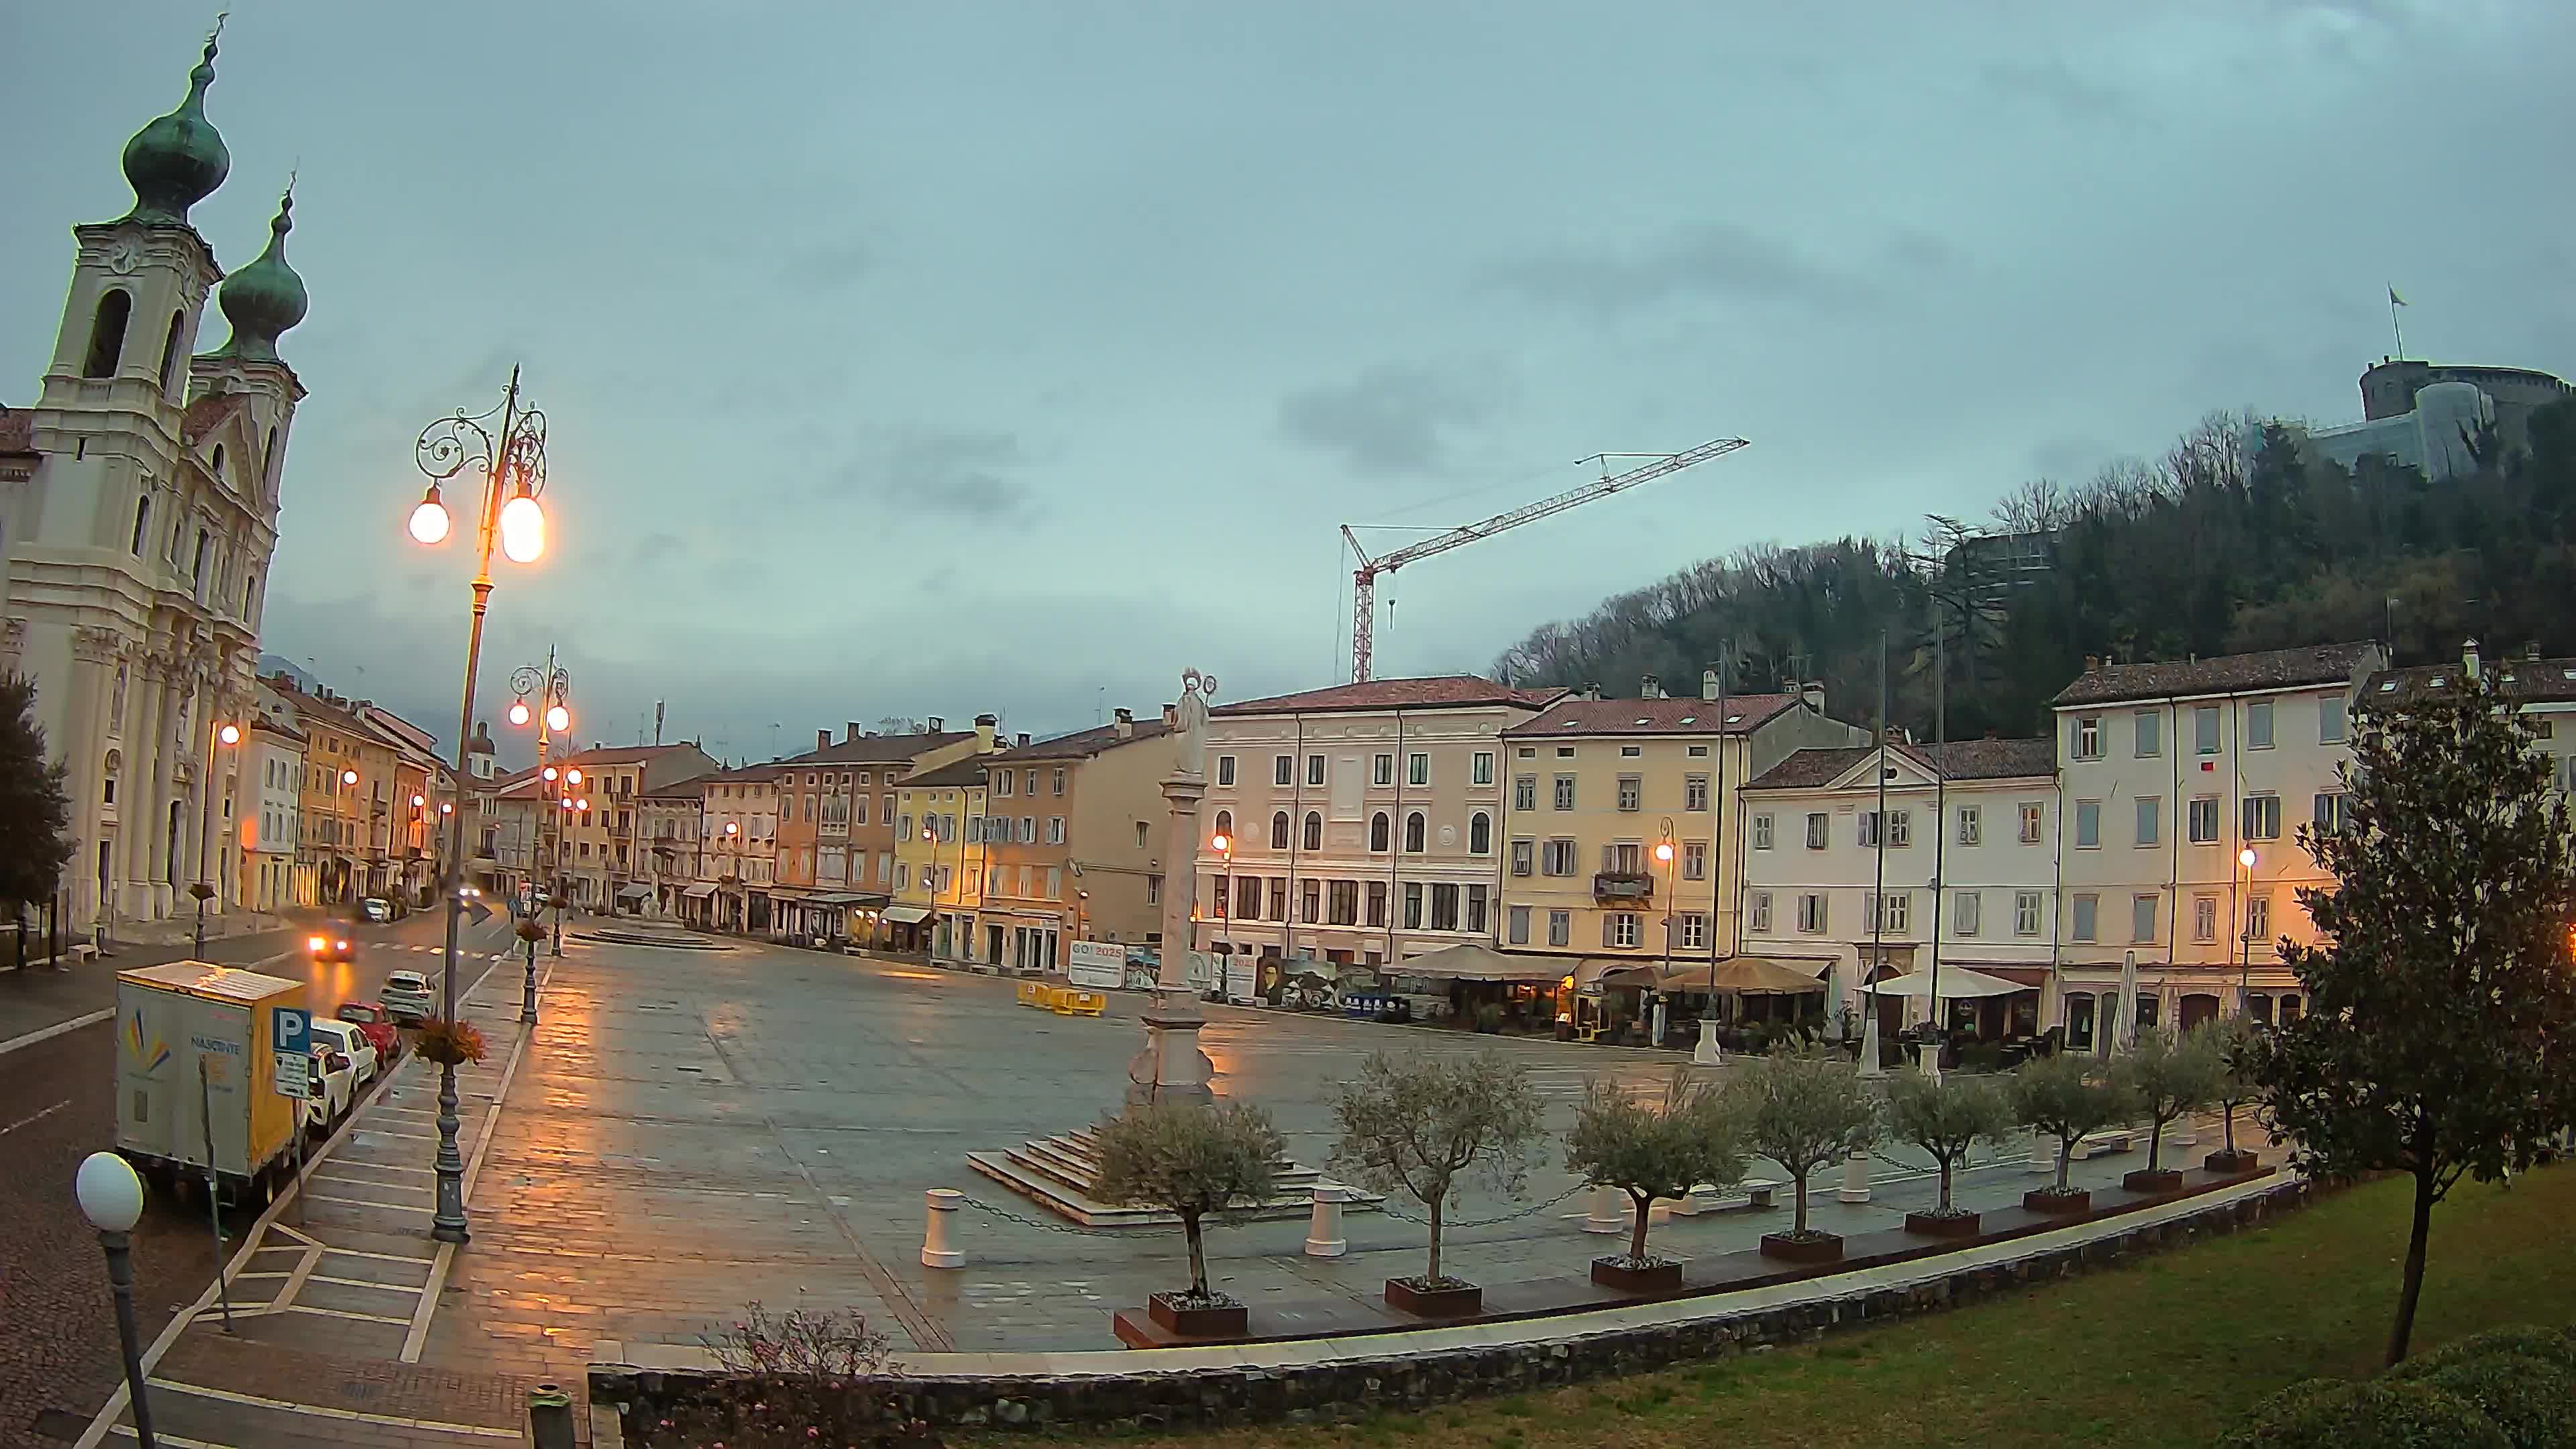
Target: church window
[
  {"x": 218, "y": 469},
  {"x": 170, "y": 353},
  {"x": 250, "y": 590},
  {"x": 205, "y": 542},
  {"x": 142, "y": 516},
  {"x": 107, "y": 333},
  {"x": 269, "y": 461}
]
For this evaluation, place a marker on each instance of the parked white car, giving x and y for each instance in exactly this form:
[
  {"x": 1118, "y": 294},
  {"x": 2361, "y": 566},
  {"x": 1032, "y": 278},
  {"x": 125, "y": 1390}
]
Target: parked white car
[
  {"x": 340, "y": 1036},
  {"x": 406, "y": 997},
  {"x": 332, "y": 1081}
]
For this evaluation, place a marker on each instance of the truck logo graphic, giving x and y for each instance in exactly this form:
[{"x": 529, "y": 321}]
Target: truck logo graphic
[{"x": 153, "y": 1057}]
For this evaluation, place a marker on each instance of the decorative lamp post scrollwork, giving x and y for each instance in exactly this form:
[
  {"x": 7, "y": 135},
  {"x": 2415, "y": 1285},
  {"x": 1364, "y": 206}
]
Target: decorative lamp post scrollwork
[{"x": 512, "y": 462}]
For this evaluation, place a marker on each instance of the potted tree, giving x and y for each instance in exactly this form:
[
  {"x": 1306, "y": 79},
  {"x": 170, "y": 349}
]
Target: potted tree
[
  {"x": 1417, "y": 1126},
  {"x": 1650, "y": 1152},
  {"x": 2165, "y": 1077},
  {"x": 2235, "y": 1041},
  {"x": 1945, "y": 1116},
  {"x": 2055, "y": 1096},
  {"x": 1190, "y": 1160},
  {"x": 1803, "y": 1110}
]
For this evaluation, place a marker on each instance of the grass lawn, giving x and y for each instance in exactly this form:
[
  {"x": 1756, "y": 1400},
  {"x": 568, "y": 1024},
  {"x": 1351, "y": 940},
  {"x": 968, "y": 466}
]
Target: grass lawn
[{"x": 2166, "y": 1351}]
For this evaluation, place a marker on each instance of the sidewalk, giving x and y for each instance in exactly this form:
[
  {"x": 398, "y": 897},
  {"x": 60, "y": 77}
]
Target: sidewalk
[
  {"x": 334, "y": 1288},
  {"x": 44, "y": 1001}
]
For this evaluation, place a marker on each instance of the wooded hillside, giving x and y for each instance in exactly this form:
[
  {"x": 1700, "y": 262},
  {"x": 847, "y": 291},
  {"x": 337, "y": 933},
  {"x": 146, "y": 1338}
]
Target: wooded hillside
[{"x": 2228, "y": 542}]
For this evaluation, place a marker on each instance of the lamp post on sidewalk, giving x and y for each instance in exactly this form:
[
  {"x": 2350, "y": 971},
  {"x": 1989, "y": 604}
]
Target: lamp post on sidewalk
[
  {"x": 111, "y": 1197},
  {"x": 226, "y": 736},
  {"x": 513, "y": 466}
]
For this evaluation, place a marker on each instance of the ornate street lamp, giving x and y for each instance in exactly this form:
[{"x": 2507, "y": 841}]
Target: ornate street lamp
[
  {"x": 550, "y": 686},
  {"x": 513, "y": 465},
  {"x": 226, "y": 736},
  {"x": 2245, "y": 971},
  {"x": 111, "y": 1197}
]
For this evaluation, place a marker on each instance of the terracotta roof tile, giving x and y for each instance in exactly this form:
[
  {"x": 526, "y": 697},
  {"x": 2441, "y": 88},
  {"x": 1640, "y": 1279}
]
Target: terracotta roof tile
[
  {"x": 1570, "y": 717},
  {"x": 968, "y": 772},
  {"x": 1958, "y": 760},
  {"x": 2270, "y": 669},
  {"x": 2528, "y": 680},
  {"x": 1443, "y": 691},
  {"x": 17, "y": 430},
  {"x": 878, "y": 749},
  {"x": 208, "y": 413},
  {"x": 1082, "y": 744}
]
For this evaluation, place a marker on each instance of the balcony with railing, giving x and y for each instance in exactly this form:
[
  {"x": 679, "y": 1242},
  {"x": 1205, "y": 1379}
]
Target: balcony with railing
[{"x": 1623, "y": 887}]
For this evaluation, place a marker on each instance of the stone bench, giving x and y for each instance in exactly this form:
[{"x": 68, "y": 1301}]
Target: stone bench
[
  {"x": 1756, "y": 1192},
  {"x": 2103, "y": 1144}
]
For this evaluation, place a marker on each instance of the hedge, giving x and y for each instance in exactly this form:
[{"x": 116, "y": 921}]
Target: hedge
[{"x": 2507, "y": 1388}]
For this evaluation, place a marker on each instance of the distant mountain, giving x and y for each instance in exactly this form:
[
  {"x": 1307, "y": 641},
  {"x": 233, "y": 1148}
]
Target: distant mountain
[{"x": 275, "y": 664}]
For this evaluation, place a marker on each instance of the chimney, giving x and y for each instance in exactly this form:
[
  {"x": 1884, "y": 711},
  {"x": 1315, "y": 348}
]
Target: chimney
[
  {"x": 1021, "y": 739},
  {"x": 985, "y": 725},
  {"x": 1708, "y": 684},
  {"x": 2092, "y": 663},
  {"x": 2469, "y": 660},
  {"x": 1650, "y": 687},
  {"x": 1171, "y": 716},
  {"x": 1813, "y": 692},
  {"x": 850, "y": 731},
  {"x": 822, "y": 739},
  {"x": 934, "y": 725},
  {"x": 1124, "y": 722},
  {"x": 1592, "y": 691}
]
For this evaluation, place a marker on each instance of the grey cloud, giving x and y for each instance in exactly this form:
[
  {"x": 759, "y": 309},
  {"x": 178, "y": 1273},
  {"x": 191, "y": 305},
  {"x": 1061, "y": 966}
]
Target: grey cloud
[
  {"x": 1390, "y": 419},
  {"x": 1714, "y": 259},
  {"x": 967, "y": 473},
  {"x": 2054, "y": 84},
  {"x": 830, "y": 264}
]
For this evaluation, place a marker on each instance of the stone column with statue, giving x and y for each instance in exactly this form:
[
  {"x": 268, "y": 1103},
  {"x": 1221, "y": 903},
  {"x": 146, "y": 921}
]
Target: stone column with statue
[{"x": 1171, "y": 1066}]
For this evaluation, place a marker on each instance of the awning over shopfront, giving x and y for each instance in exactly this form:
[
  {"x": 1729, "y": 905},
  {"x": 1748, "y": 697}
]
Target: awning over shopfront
[
  {"x": 1752, "y": 975},
  {"x": 699, "y": 892},
  {"x": 1471, "y": 962},
  {"x": 635, "y": 893},
  {"x": 907, "y": 915},
  {"x": 1958, "y": 983},
  {"x": 844, "y": 898}
]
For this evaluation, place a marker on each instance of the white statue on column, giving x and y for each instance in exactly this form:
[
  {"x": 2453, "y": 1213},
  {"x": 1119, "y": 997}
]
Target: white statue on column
[{"x": 1171, "y": 1066}]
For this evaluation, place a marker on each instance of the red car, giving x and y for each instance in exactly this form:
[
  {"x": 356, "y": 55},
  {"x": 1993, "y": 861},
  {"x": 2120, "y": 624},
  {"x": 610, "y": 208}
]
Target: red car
[{"x": 376, "y": 1025}]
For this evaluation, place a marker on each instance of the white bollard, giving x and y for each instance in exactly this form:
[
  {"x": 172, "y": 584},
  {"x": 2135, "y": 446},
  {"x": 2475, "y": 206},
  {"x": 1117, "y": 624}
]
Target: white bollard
[
  {"x": 1324, "y": 1230},
  {"x": 1609, "y": 1211},
  {"x": 2043, "y": 1153},
  {"x": 1855, "y": 1186},
  {"x": 935, "y": 1251},
  {"x": 1707, "y": 1053},
  {"x": 2186, "y": 1131}
]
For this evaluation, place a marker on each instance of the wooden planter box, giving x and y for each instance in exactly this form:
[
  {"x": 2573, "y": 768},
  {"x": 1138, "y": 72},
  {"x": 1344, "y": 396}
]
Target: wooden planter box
[
  {"x": 1231, "y": 1319},
  {"x": 1661, "y": 1278},
  {"x": 2226, "y": 1164},
  {"x": 1826, "y": 1249},
  {"x": 1934, "y": 1225},
  {"x": 1457, "y": 1302},
  {"x": 2049, "y": 1201},
  {"x": 2157, "y": 1179}
]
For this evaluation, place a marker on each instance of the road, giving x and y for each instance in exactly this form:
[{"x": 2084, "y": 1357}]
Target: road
[{"x": 56, "y": 1106}]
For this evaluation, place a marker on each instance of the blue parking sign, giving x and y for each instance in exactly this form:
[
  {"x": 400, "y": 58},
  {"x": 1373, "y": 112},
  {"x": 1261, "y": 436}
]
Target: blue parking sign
[{"x": 290, "y": 1029}]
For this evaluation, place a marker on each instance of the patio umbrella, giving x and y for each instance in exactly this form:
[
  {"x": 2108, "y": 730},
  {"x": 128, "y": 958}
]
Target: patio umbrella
[
  {"x": 1958, "y": 983},
  {"x": 2124, "y": 1032}
]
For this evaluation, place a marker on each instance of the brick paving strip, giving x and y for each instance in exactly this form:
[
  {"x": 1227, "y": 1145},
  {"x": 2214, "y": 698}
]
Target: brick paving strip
[{"x": 259, "y": 1385}]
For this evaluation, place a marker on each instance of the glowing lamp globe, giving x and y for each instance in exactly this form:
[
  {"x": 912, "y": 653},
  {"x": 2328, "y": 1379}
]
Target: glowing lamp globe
[
  {"x": 110, "y": 1195},
  {"x": 2245, "y": 857},
  {"x": 585, "y": 803},
  {"x": 229, "y": 734},
  {"x": 348, "y": 777},
  {"x": 523, "y": 529},
  {"x": 1221, "y": 844},
  {"x": 518, "y": 712},
  {"x": 1664, "y": 851},
  {"x": 558, "y": 718},
  {"x": 550, "y": 772},
  {"x": 573, "y": 776},
  {"x": 429, "y": 519}
]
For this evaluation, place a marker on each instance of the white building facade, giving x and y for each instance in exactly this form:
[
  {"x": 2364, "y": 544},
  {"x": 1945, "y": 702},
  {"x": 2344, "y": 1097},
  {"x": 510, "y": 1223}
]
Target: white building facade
[
  {"x": 1297, "y": 783},
  {"x": 1961, "y": 866},
  {"x": 138, "y": 511},
  {"x": 2173, "y": 775}
]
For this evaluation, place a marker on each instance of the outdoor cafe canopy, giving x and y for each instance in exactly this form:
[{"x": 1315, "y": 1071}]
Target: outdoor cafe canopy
[
  {"x": 1471, "y": 962},
  {"x": 1958, "y": 983},
  {"x": 1751, "y": 975}
]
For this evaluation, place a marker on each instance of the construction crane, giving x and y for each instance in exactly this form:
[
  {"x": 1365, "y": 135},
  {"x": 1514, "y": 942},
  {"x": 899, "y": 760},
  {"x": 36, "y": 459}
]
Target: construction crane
[{"x": 1364, "y": 578}]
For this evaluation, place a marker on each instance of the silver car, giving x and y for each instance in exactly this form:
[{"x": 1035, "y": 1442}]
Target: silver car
[{"x": 406, "y": 998}]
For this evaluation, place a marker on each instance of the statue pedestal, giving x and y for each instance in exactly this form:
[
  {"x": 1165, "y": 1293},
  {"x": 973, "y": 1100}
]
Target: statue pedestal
[
  {"x": 1707, "y": 1053},
  {"x": 1171, "y": 1067}
]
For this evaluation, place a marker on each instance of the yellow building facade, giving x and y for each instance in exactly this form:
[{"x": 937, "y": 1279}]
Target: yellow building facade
[
  {"x": 1619, "y": 844},
  {"x": 939, "y": 859}
]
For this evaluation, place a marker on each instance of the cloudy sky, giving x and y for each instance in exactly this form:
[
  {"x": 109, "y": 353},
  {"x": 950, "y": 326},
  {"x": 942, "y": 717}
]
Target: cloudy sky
[{"x": 915, "y": 359}]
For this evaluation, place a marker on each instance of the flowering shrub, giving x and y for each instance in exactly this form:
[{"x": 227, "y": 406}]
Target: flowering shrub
[
  {"x": 451, "y": 1043},
  {"x": 531, "y": 930},
  {"x": 802, "y": 1378}
]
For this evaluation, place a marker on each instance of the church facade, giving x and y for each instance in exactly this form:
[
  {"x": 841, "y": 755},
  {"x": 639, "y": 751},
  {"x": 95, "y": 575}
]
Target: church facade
[{"x": 138, "y": 513}]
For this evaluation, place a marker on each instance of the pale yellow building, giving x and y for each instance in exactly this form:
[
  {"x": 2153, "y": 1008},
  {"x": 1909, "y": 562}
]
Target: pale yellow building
[
  {"x": 939, "y": 859},
  {"x": 1594, "y": 788}
]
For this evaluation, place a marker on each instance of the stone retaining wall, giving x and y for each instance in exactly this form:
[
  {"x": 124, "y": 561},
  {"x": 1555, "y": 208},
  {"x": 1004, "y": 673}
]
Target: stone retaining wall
[{"x": 1400, "y": 1380}]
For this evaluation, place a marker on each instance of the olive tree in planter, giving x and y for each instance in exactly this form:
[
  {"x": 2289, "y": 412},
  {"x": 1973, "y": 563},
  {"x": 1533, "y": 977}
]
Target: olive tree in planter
[
  {"x": 2058, "y": 1096},
  {"x": 2167, "y": 1076},
  {"x": 1945, "y": 1116},
  {"x": 1421, "y": 1125},
  {"x": 2233, "y": 1041},
  {"x": 1650, "y": 1152},
  {"x": 1803, "y": 1110},
  {"x": 1191, "y": 1160}
]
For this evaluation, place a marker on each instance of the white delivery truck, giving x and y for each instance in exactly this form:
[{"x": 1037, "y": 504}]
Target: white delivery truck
[{"x": 198, "y": 1056}]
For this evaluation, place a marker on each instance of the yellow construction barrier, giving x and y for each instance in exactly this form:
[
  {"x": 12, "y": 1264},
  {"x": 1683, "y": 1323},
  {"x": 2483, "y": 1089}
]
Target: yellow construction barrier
[
  {"x": 1075, "y": 1001},
  {"x": 1033, "y": 993}
]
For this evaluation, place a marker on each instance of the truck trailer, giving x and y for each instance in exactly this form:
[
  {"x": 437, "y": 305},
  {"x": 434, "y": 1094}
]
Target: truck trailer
[{"x": 197, "y": 1061}]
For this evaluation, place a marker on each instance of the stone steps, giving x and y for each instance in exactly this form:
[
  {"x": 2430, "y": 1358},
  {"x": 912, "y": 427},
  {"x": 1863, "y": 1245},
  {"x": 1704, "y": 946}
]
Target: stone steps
[{"x": 1062, "y": 1174}]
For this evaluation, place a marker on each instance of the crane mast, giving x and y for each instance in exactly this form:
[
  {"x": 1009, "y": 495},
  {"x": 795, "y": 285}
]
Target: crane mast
[{"x": 1364, "y": 578}]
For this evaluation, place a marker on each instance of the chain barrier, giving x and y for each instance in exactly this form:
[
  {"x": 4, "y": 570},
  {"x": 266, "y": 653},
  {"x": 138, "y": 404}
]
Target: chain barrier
[{"x": 1391, "y": 1210}]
